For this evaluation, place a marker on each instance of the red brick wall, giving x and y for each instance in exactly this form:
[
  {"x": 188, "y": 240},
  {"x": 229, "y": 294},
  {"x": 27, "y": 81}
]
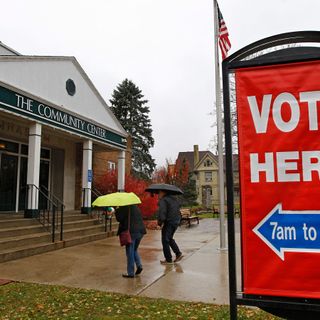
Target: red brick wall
[{"x": 101, "y": 158}]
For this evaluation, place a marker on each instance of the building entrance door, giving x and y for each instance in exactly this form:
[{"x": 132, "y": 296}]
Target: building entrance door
[
  {"x": 207, "y": 196},
  {"x": 23, "y": 183},
  {"x": 8, "y": 181},
  {"x": 43, "y": 183},
  {"x": 13, "y": 176}
]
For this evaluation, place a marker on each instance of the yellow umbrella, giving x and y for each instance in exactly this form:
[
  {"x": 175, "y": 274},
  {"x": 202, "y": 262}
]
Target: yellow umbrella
[{"x": 116, "y": 199}]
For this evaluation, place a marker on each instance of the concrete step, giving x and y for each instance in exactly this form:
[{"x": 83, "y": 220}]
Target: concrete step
[
  {"x": 20, "y": 237},
  {"x": 8, "y": 216},
  {"x": 86, "y": 223},
  {"x": 29, "y": 250},
  {"x": 73, "y": 224},
  {"x": 84, "y": 231},
  {"x": 6, "y": 226},
  {"x": 74, "y": 217},
  {"x": 88, "y": 238},
  {"x": 20, "y": 231},
  {"x": 74, "y": 212},
  {"x": 24, "y": 240},
  {"x": 9, "y": 223},
  {"x": 71, "y": 231}
]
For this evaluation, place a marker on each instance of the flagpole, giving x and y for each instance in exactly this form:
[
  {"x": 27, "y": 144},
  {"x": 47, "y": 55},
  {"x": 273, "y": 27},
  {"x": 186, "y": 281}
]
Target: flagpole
[{"x": 219, "y": 129}]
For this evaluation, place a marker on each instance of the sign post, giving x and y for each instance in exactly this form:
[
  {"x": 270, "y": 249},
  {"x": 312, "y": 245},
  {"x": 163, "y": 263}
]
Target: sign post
[{"x": 278, "y": 116}]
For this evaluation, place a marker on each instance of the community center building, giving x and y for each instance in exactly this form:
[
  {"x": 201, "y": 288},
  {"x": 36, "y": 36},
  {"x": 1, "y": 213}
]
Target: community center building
[{"x": 54, "y": 125}]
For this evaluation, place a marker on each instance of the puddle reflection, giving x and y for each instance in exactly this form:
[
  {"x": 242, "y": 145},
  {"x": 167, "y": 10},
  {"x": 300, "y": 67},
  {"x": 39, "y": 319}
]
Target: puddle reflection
[{"x": 174, "y": 267}]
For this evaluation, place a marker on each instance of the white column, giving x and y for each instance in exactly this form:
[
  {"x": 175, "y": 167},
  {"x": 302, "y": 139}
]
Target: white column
[
  {"x": 121, "y": 170},
  {"x": 86, "y": 176},
  {"x": 33, "y": 169}
]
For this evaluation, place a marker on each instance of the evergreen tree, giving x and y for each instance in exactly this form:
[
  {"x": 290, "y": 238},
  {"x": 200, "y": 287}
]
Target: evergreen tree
[
  {"x": 130, "y": 108},
  {"x": 189, "y": 192}
]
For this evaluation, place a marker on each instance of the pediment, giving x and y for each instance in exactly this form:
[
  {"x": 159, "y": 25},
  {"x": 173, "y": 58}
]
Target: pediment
[
  {"x": 48, "y": 78},
  {"x": 207, "y": 162}
]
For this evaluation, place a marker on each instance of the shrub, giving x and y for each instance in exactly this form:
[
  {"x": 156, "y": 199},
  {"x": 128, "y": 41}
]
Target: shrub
[{"x": 108, "y": 184}]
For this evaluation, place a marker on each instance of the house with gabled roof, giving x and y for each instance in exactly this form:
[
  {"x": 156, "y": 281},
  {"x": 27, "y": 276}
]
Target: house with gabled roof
[{"x": 204, "y": 167}]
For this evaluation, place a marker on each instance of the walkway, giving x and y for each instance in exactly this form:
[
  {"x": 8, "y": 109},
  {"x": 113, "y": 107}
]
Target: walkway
[{"x": 202, "y": 275}]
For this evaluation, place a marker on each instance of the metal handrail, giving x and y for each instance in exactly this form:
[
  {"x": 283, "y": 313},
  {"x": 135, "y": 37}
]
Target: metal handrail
[
  {"x": 100, "y": 215},
  {"x": 96, "y": 192},
  {"x": 107, "y": 218},
  {"x": 62, "y": 206},
  {"x": 53, "y": 196},
  {"x": 49, "y": 217}
]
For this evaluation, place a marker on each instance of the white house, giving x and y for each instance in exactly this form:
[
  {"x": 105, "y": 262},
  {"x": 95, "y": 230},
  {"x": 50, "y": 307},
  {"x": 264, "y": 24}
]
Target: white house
[{"x": 52, "y": 121}]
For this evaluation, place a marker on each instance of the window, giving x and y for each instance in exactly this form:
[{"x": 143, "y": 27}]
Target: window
[
  {"x": 45, "y": 153},
  {"x": 70, "y": 87},
  {"x": 111, "y": 165},
  {"x": 9, "y": 146},
  {"x": 208, "y": 163},
  {"x": 24, "y": 149},
  {"x": 208, "y": 176}
]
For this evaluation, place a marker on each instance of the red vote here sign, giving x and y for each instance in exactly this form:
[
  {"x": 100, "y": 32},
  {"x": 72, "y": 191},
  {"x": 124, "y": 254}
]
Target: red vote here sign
[{"x": 278, "y": 111}]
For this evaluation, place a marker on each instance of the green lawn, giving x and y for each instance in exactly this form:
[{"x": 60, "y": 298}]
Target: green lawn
[
  {"x": 34, "y": 301},
  {"x": 207, "y": 215}
]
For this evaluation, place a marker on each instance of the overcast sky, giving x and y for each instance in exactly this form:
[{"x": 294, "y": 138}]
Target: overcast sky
[{"x": 164, "y": 46}]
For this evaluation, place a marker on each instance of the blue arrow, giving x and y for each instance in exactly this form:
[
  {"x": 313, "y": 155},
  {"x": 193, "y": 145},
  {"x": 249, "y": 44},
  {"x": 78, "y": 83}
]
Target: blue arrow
[{"x": 294, "y": 231}]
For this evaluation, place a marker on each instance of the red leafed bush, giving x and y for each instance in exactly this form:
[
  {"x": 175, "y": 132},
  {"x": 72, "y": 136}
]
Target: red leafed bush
[{"x": 108, "y": 184}]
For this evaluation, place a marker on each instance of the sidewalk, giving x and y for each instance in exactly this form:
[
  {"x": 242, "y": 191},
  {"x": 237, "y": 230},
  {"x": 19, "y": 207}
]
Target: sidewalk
[{"x": 202, "y": 275}]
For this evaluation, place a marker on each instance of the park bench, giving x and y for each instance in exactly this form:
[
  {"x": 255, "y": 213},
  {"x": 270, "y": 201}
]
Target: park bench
[{"x": 187, "y": 216}]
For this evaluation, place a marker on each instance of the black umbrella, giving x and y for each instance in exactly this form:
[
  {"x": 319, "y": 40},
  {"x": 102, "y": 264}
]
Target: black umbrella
[{"x": 169, "y": 188}]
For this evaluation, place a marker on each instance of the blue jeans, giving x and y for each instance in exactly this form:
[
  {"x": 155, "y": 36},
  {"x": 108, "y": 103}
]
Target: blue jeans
[
  {"x": 168, "y": 242},
  {"x": 133, "y": 257}
]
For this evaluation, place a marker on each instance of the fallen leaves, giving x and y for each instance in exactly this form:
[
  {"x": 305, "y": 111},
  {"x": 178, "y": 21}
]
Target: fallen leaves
[{"x": 35, "y": 301}]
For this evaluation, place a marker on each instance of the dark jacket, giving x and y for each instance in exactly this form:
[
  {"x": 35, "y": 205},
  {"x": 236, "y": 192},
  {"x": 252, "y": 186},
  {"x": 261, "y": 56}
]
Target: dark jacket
[
  {"x": 137, "y": 228},
  {"x": 169, "y": 210}
]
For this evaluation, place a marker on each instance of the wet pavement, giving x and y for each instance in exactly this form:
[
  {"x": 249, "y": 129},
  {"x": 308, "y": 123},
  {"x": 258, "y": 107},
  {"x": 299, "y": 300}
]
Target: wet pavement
[{"x": 202, "y": 275}]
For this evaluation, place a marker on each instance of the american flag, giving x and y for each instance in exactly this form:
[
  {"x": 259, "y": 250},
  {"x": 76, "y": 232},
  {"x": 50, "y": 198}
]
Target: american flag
[{"x": 224, "y": 42}]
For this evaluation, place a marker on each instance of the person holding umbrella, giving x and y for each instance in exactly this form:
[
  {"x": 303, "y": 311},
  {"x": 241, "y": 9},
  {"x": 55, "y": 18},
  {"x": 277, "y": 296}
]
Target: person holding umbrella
[
  {"x": 130, "y": 218},
  {"x": 130, "y": 222},
  {"x": 169, "y": 218}
]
